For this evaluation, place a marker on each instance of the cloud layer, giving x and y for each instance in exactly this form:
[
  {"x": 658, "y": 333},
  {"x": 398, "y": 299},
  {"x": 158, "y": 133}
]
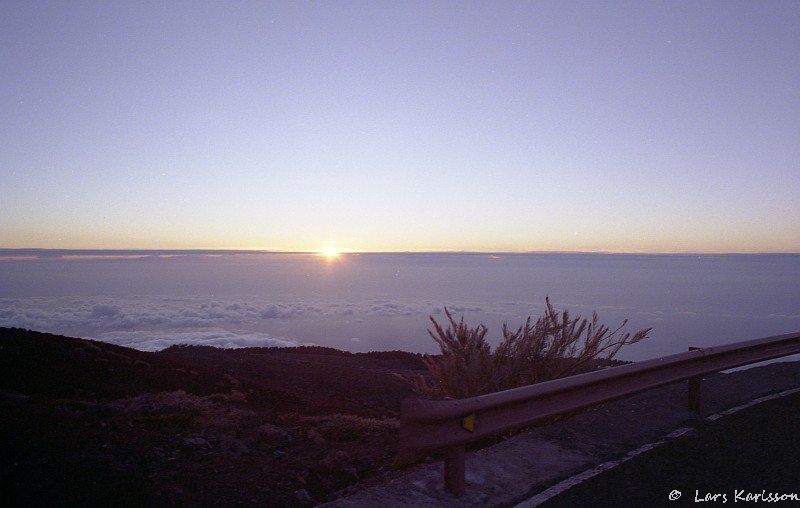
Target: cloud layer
[
  {"x": 158, "y": 340},
  {"x": 152, "y": 323},
  {"x": 124, "y": 313}
]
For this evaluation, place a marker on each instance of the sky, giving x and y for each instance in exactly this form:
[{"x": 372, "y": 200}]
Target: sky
[{"x": 401, "y": 126}]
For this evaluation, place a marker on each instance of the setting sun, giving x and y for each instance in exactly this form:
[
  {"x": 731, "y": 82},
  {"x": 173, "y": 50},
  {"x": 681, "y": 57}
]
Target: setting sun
[{"x": 330, "y": 253}]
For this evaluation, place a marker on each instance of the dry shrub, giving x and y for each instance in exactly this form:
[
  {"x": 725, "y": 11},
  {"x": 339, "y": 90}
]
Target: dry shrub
[
  {"x": 271, "y": 435},
  {"x": 235, "y": 396},
  {"x": 175, "y": 412},
  {"x": 162, "y": 402},
  {"x": 345, "y": 427},
  {"x": 554, "y": 346},
  {"x": 180, "y": 412}
]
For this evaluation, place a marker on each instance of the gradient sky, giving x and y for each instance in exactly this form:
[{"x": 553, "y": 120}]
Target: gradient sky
[{"x": 493, "y": 126}]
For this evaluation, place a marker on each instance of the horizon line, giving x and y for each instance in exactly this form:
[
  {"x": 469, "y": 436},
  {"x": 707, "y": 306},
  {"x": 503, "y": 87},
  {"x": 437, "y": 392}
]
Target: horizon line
[{"x": 217, "y": 251}]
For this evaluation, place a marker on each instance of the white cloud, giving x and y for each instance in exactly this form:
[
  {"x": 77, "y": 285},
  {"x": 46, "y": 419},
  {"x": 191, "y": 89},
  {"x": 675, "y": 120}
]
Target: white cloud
[
  {"x": 105, "y": 311},
  {"x": 157, "y": 322},
  {"x": 785, "y": 316},
  {"x": 294, "y": 310},
  {"x": 158, "y": 340}
]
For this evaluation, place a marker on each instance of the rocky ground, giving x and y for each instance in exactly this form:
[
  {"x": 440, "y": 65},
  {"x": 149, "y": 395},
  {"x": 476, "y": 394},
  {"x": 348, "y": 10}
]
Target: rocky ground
[{"x": 89, "y": 423}]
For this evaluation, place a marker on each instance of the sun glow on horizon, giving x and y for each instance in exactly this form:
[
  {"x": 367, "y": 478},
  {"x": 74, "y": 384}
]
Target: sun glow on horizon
[{"x": 330, "y": 253}]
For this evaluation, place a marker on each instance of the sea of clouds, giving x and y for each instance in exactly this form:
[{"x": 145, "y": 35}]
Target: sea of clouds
[
  {"x": 154, "y": 323},
  {"x": 384, "y": 302}
]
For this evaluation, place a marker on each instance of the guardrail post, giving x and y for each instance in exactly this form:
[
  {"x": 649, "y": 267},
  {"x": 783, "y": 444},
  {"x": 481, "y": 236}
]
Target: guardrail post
[
  {"x": 455, "y": 469},
  {"x": 695, "y": 390}
]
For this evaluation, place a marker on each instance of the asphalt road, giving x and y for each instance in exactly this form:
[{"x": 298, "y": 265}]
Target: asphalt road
[{"x": 755, "y": 451}]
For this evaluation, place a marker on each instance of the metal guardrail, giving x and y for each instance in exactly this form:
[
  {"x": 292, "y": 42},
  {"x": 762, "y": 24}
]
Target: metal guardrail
[{"x": 429, "y": 425}]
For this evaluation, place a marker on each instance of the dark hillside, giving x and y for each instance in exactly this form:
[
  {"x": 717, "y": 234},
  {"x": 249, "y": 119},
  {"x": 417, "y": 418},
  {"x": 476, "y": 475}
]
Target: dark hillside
[
  {"x": 325, "y": 379},
  {"x": 89, "y": 423},
  {"x": 41, "y": 364}
]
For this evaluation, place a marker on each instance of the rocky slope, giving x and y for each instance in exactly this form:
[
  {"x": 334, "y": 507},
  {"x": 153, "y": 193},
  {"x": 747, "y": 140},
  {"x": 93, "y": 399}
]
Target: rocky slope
[{"x": 85, "y": 422}]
